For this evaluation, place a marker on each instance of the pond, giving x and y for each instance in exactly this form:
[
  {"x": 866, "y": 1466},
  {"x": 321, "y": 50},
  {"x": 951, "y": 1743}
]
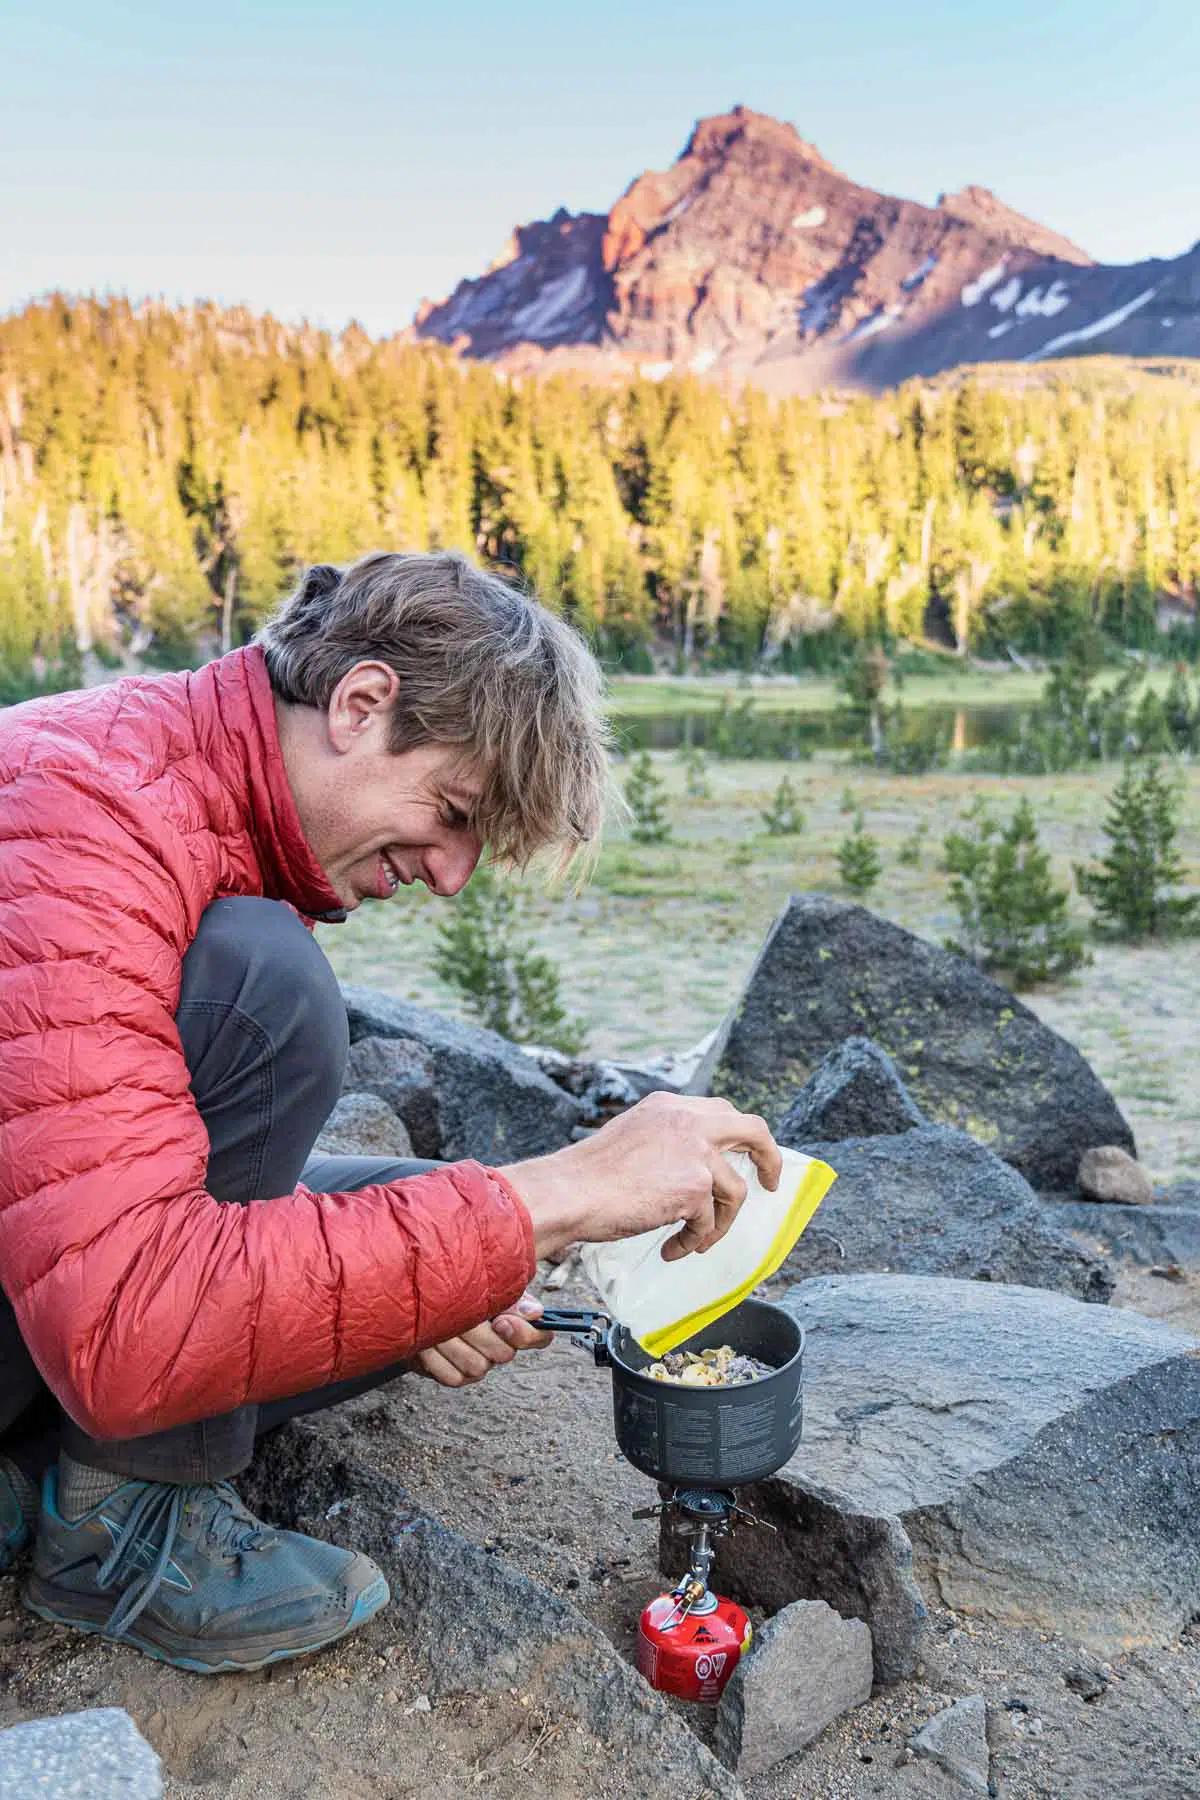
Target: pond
[{"x": 741, "y": 730}]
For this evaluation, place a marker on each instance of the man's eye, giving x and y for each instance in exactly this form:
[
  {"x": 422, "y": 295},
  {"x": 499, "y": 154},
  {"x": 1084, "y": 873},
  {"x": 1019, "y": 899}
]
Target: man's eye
[{"x": 454, "y": 817}]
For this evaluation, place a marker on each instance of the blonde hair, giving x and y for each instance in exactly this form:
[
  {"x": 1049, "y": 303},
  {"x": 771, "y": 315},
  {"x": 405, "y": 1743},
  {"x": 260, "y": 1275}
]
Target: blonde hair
[{"x": 481, "y": 665}]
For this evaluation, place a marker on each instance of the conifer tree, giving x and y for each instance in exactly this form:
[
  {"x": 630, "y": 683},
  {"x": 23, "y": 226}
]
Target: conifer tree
[
  {"x": 1013, "y": 915},
  {"x": 484, "y": 952},
  {"x": 783, "y": 818},
  {"x": 1131, "y": 887},
  {"x": 859, "y": 859},
  {"x": 646, "y": 795}
]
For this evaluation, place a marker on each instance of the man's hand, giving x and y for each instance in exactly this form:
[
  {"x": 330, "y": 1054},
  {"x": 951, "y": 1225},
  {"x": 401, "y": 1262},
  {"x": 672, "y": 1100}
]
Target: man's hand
[
  {"x": 660, "y": 1161},
  {"x": 460, "y": 1361}
]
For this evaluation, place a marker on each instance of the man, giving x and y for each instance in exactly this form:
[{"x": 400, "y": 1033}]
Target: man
[{"x": 180, "y": 1274}]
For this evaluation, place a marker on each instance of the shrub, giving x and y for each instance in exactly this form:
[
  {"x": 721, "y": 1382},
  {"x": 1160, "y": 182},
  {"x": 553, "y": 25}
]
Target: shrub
[
  {"x": 783, "y": 818},
  {"x": 1013, "y": 915},
  {"x": 1130, "y": 890},
  {"x": 507, "y": 985},
  {"x": 858, "y": 859},
  {"x": 647, "y": 799},
  {"x": 848, "y": 802}
]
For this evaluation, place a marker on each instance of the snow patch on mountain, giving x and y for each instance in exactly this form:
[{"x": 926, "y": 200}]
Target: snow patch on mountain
[
  {"x": 1109, "y": 322},
  {"x": 556, "y": 300},
  {"x": 974, "y": 291}
]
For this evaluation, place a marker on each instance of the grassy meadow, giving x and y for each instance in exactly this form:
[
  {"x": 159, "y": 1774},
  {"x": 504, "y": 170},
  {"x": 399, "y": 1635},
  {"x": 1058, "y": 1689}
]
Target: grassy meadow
[{"x": 657, "y": 946}]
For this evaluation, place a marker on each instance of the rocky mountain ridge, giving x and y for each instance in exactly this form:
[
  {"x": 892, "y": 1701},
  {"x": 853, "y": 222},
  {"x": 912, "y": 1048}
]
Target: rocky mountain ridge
[{"x": 755, "y": 259}]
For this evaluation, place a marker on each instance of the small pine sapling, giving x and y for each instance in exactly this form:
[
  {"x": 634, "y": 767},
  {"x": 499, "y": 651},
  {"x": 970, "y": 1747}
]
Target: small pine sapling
[
  {"x": 646, "y": 795},
  {"x": 783, "y": 818},
  {"x": 1131, "y": 888},
  {"x": 1012, "y": 914},
  {"x": 506, "y": 984},
  {"x": 911, "y": 847},
  {"x": 695, "y": 773},
  {"x": 847, "y": 803},
  {"x": 858, "y": 859}
]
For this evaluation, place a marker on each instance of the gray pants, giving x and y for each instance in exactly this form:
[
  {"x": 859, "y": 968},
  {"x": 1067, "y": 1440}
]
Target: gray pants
[{"x": 263, "y": 1029}]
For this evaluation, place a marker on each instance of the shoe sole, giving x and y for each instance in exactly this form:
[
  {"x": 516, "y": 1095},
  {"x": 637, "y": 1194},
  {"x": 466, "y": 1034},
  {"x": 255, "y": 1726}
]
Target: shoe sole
[{"x": 369, "y": 1602}]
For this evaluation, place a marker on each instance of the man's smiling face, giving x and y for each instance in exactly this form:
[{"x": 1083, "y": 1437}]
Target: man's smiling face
[{"x": 376, "y": 819}]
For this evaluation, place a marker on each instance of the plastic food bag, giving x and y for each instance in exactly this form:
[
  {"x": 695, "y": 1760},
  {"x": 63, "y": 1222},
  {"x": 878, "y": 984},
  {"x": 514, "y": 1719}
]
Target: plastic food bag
[{"x": 664, "y": 1303}]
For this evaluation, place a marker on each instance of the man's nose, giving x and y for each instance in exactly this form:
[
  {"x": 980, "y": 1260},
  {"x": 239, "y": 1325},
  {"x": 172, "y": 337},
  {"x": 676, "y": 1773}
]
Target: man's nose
[{"x": 453, "y": 865}]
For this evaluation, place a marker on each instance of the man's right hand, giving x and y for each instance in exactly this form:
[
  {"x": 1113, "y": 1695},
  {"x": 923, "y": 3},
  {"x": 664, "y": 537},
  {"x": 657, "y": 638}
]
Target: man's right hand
[{"x": 660, "y": 1161}]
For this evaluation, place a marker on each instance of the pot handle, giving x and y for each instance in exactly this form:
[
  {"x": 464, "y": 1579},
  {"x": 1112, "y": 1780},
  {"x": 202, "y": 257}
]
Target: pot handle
[{"x": 590, "y": 1328}]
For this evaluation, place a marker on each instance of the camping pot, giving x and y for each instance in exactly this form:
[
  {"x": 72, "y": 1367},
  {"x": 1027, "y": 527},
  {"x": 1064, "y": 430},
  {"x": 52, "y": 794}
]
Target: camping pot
[{"x": 707, "y": 1437}]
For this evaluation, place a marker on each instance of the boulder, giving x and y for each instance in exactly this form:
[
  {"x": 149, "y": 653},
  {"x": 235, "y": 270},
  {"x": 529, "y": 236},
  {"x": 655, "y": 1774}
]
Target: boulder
[
  {"x": 363, "y": 1125},
  {"x": 956, "y": 1740},
  {"x": 476, "y": 1625},
  {"x": 1041, "y": 1457},
  {"x": 491, "y": 1101},
  {"x": 1107, "y": 1172},
  {"x": 971, "y": 1055},
  {"x": 1154, "y": 1236},
  {"x": 805, "y": 1669},
  {"x": 99, "y": 1754},
  {"x": 934, "y": 1202},
  {"x": 855, "y": 1092},
  {"x": 399, "y": 1071}
]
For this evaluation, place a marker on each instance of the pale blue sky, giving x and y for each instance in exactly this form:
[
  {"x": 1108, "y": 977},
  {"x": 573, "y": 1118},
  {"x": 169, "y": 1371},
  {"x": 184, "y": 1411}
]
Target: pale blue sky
[{"x": 332, "y": 161}]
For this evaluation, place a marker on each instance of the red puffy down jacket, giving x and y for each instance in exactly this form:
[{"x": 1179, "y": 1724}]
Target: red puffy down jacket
[{"x": 144, "y": 1302}]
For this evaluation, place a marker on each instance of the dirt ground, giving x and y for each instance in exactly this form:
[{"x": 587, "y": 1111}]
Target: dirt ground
[{"x": 656, "y": 949}]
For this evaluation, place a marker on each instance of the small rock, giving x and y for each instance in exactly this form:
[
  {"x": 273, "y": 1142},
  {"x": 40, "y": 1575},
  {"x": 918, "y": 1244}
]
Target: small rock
[
  {"x": 99, "y": 1754},
  {"x": 422, "y": 1704},
  {"x": 956, "y": 1739},
  {"x": 808, "y": 1667},
  {"x": 363, "y": 1125},
  {"x": 1088, "y": 1683},
  {"x": 1106, "y": 1172},
  {"x": 856, "y": 1092}
]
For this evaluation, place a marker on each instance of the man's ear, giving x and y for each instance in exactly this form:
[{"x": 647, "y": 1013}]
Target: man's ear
[{"x": 360, "y": 705}]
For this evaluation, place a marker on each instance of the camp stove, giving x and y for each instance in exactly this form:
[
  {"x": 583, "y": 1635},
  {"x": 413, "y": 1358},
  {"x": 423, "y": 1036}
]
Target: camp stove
[
  {"x": 690, "y": 1640},
  {"x": 698, "y": 1443}
]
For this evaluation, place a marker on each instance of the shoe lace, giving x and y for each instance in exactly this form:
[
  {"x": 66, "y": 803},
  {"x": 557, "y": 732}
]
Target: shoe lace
[{"x": 162, "y": 1507}]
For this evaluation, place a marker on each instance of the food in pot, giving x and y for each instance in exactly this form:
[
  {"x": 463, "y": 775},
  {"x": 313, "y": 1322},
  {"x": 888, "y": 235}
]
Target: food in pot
[{"x": 718, "y": 1367}]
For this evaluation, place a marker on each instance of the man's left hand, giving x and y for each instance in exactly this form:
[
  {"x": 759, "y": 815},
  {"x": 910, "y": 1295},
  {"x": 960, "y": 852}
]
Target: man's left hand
[{"x": 461, "y": 1361}]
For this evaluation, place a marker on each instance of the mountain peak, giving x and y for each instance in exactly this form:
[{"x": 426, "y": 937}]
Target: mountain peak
[
  {"x": 712, "y": 138},
  {"x": 980, "y": 206}
]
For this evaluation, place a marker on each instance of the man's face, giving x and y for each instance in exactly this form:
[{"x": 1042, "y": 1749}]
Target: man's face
[{"x": 374, "y": 819}]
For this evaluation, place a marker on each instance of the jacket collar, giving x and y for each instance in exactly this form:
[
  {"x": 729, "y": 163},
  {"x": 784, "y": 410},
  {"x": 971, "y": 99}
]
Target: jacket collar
[{"x": 235, "y": 712}]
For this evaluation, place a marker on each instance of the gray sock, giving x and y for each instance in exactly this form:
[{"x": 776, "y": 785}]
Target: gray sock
[
  {"x": 81, "y": 1487},
  {"x": 26, "y": 1490}
]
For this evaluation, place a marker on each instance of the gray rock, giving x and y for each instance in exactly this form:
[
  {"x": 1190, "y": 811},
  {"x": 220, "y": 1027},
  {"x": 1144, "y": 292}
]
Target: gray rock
[
  {"x": 806, "y": 1668},
  {"x": 493, "y": 1102},
  {"x": 602, "y": 1088},
  {"x": 1041, "y": 1456},
  {"x": 363, "y": 1125},
  {"x": 934, "y": 1202},
  {"x": 971, "y": 1055},
  {"x": 1183, "y": 1193},
  {"x": 94, "y": 1755},
  {"x": 399, "y": 1071},
  {"x": 1106, "y": 1172},
  {"x": 475, "y": 1624},
  {"x": 1151, "y": 1236},
  {"x": 854, "y": 1093},
  {"x": 956, "y": 1740}
]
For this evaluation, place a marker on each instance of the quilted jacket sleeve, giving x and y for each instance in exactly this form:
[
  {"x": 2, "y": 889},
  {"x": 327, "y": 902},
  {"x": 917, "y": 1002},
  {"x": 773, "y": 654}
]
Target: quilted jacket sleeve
[{"x": 144, "y": 1302}]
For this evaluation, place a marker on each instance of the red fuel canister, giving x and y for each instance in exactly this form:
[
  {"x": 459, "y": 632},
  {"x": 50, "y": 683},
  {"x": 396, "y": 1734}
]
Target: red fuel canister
[{"x": 693, "y": 1656}]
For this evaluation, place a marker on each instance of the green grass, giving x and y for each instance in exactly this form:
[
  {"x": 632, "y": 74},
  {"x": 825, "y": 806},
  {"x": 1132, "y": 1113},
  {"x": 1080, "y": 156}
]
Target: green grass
[{"x": 633, "y": 696}]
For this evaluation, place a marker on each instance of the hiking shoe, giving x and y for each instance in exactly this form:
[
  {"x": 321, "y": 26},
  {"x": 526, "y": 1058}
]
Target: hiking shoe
[
  {"x": 189, "y": 1575},
  {"x": 18, "y": 1501}
]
